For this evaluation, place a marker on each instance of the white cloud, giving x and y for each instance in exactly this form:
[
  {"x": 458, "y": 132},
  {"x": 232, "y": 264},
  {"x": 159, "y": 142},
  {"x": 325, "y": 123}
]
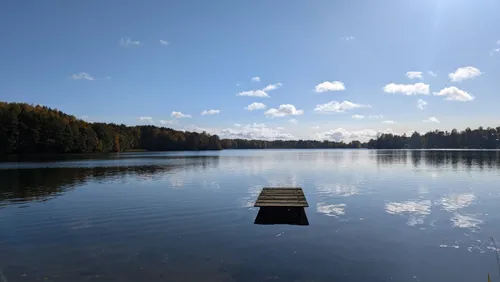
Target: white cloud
[
  {"x": 454, "y": 94},
  {"x": 464, "y": 73},
  {"x": 389, "y": 122},
  {"x": 414, "y": 74},
  {"x": 421, "y": 104},
  {"x": 495, "y": 50},
  {"x": 164, "y": 42},
  {"x": 260, "y": 92},
  {"x": 284, "y": 110},
  {"x": 431, "y": 73},
  {"x": 255, "y": 131},
  {"x": 432, "y": 119},
  {"x": 358, "y": 117},
  {"x": 146, "y": 119},
  {"x": 255, "y": 106},
  {"x": 126, "y": 41},
  {"x": 194, "y": 128},
  {"x": 315, "y": 127},
  {"x": 338, "y": 107},
  {"x": 293, "y": 121},
  {"x": 179, "y": 115},
  {"x": 407, "y": 89},
  {"x": 329, "y": 86},
  {"x": 256, "y": 79},
  {"x": 210, "y": 112},
  {"x": 165, "y": 122},
  {"x": 387, "y": 131},
  {"x": 347, "y": 38},
  {"x": 83, "y": 117},
  {"x": 82, "y": 75},
  {"x": 341, "y": 134},
  {"x": 271, "y": 87},
  {"x": 375, "y": 116},
  {"x": 254, "y": 93}
]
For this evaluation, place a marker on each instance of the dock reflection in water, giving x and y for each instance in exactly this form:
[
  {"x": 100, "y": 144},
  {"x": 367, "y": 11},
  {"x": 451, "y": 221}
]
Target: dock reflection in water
[{"x": 282, "y": 215}]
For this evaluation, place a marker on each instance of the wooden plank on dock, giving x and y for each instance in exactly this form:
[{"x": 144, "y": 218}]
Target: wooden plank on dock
[{"x": 281, "y": 197}]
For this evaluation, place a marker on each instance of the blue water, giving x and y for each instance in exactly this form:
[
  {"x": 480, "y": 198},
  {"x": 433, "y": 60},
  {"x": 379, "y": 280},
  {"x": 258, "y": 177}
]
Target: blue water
[{"x": 373, "y": 216}]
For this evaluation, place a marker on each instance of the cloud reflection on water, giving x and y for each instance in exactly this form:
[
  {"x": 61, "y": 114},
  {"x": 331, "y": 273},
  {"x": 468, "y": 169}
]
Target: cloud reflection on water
[
  {"x": 283, "y": 181},
  {"x": 249, "y": 199},
  {"x": 412, "y": 207},
  {"x": 418, "y": 211},
  {"x": 469, "y": 221},
  {"x": 330, "y": 210},
  {"x": 415, "y": 220},
  {"x": 327, "y": 191},
  {"x": 457, "y": 201},
  {"x": 342, "y": 190}
]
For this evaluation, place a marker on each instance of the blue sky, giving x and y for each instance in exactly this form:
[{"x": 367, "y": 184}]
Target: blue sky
[{"x": 333, "y": 69}]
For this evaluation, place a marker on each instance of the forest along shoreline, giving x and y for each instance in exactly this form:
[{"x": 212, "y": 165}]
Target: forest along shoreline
[{"x": 35, "y": 129}]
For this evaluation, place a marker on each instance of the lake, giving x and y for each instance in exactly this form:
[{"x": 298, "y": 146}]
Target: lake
[{"x": 188, "y": 216}]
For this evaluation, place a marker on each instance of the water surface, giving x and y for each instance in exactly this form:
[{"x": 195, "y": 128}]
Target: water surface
[{"x": 373, "y": 216}]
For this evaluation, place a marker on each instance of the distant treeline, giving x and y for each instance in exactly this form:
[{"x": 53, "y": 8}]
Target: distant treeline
[
  {"x": 480, "y": 138},
  {"x": 287, "y": 144},
  {"x": 27, "y": 129}
]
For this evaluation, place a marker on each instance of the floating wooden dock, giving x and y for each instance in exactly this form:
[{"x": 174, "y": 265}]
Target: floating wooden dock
[{"x": 281, "y": 197}]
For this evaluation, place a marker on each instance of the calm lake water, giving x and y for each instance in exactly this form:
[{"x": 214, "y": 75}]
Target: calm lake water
[{"x": 373, "y": 216}]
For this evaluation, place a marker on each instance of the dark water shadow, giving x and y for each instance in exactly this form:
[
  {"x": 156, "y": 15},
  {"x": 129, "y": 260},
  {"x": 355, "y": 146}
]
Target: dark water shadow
[
  {"x": 44, "y": 158},
  {"x": 454, "y": 159},
  {"x": 42, "y": 184},
  {"x": 281, "y": 215}
]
